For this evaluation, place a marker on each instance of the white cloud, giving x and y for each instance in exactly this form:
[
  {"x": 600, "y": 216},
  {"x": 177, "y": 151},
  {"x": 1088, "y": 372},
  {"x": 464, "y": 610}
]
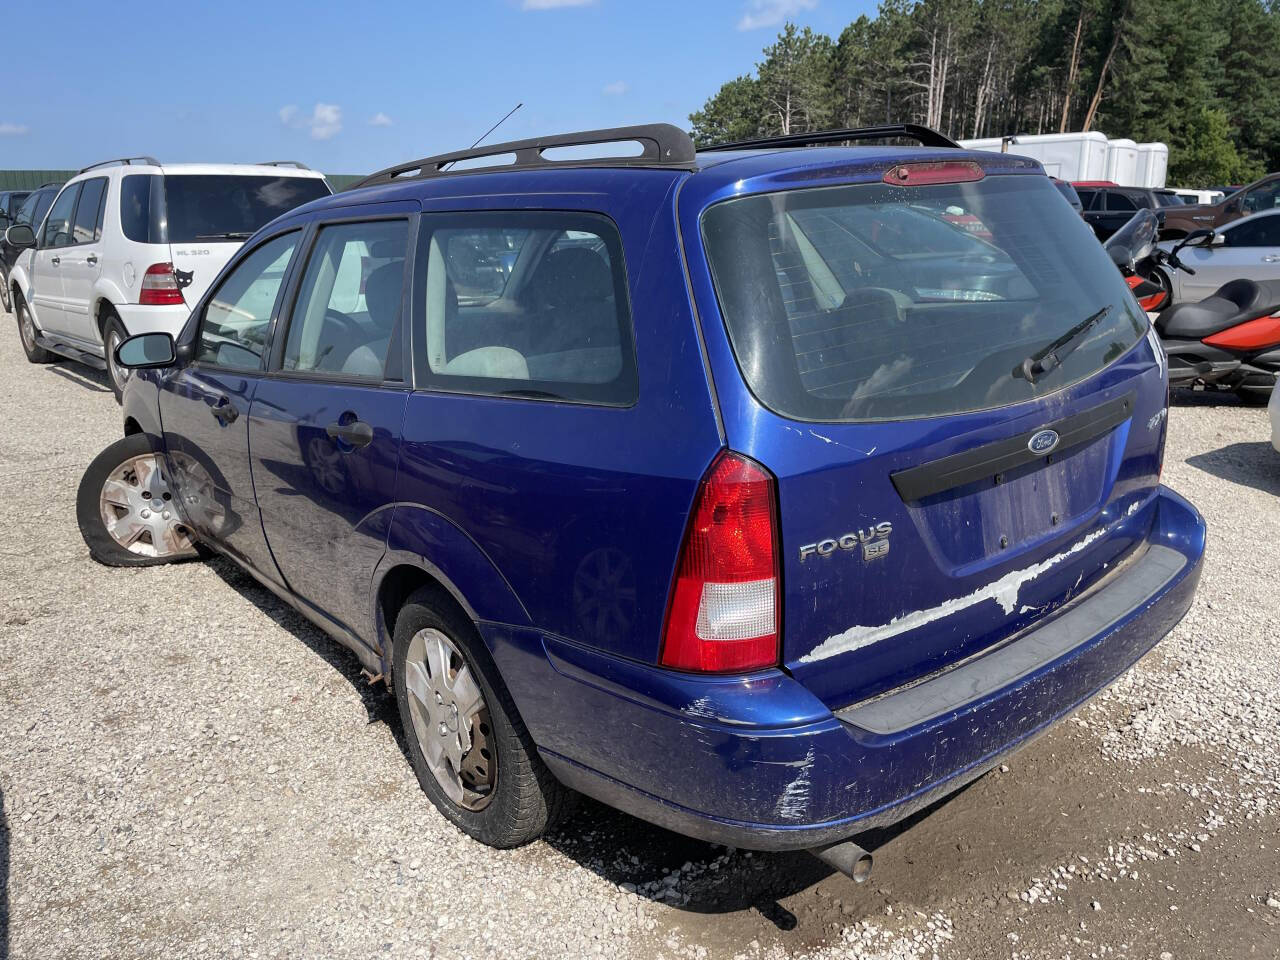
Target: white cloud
[
  {"x": 379, "y": 119},
  {"x": 554, "y": 4},
  {"x": 615, "y": 89},
  {"x": 14, "y": 129},
  {"x": 325, "y": 120},
  {"x": 770, "y": 13}
]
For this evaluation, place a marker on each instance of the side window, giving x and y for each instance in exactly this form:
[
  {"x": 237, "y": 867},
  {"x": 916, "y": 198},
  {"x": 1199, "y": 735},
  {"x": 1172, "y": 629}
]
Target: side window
[
  {"x": 26, "y": 213},
  {"x": 346, "y": 320},
  {"x": 233, "y": 331},
  {"x": 1090, "y": 199},
  {"x": 57, "y": 228},
  {"x": 526, "y": 304},
  {"x": 1257, "y": 232},
  {"x": 1120, "y": 201},
  {"x": 88, "y": 223}
]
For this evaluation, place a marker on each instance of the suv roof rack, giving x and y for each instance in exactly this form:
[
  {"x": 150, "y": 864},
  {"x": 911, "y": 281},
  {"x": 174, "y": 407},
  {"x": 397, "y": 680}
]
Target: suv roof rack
[
  {"x": 124, "y": 160},
  {"x": 926, "y": 136},
  {"x": 283, "y": 163},
  {"x": 52, "y": 183},
  {"x": 664, "y": 146}
]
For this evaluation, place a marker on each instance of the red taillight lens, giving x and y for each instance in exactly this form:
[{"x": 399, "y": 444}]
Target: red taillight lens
[
  {"x": 160, "y": 286},
  {"x": 922, "y": 174},
  {"x": 723, "y": 615}
]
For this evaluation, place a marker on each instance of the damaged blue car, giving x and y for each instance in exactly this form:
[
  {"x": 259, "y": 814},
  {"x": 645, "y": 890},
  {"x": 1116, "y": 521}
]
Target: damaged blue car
[{"x": 767, "y": 492}]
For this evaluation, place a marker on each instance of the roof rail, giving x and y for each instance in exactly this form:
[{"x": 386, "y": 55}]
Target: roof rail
[
  {"x": 51, "y": 183},
  {"x": 664, "y": 146},
  {"x": 283, "y": 163},
  {"x": 926, "y": 136},
  {"x": 126, "y": 160}
]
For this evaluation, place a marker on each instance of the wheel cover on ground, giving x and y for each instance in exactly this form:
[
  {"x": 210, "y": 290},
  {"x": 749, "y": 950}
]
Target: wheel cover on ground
[
  {"x": 450, "y": 719},
  {"x": 138, "y": 512}
]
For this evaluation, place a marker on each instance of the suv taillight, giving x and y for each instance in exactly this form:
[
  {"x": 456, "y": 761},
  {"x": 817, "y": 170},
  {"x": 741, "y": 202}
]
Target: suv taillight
[
  {"x": 160, "y": 287},
  {"x": 723, "y": 615}
]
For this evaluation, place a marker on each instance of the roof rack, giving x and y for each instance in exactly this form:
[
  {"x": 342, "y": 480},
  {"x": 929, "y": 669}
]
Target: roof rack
[
  {"x": 283, "y": 163},
  {"x": 125, "y": 160},
  {"x": 926, "y": 136},
  {"x": 52, "y": 183},
  {"x": 664, "y": 146}
]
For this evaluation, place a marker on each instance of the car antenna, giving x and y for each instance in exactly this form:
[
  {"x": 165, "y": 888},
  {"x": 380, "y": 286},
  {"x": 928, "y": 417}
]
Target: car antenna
[{"x": 489, "y": 131}]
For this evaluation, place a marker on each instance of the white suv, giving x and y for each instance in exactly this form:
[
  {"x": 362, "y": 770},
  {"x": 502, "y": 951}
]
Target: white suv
[{"x": 129, "y": 245}]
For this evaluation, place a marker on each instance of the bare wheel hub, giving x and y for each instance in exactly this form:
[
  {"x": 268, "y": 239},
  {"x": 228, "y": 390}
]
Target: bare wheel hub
[
  {"x": 138, "y": 512},
  {"x": 450, "y": 719}
]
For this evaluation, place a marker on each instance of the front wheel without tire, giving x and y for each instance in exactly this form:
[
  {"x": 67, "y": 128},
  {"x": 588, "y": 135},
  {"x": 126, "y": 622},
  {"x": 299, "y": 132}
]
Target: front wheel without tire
[
  {"x": 27, "y": 334},
  {"x": 126, "y": 510},
  {"x": 467, "y": 744}
]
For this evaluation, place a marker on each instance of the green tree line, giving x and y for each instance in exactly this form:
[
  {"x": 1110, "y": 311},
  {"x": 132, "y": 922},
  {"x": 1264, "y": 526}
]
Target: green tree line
[{"x": 1202, "y": 76}]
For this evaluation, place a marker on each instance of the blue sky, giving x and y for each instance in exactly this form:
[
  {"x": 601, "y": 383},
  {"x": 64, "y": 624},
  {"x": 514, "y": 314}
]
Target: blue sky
[{"x": 351, "y": 87}]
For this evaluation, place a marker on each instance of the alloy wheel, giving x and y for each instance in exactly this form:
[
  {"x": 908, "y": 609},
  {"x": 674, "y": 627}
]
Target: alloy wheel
[
  {"x": 450, "y": 719},
  {"x": 138, "y": 511},
  {"x": 118, "y": 375},
  {"x": 26, "y": 328}
]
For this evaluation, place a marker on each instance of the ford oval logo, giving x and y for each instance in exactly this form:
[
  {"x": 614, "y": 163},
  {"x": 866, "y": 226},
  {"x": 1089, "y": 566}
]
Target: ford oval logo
[{"x": 1042, "y": 441}]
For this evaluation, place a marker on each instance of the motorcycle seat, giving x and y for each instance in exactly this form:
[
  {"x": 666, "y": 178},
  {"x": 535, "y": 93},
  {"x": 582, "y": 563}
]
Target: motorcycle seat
[{"x": 1232, "y": 303}]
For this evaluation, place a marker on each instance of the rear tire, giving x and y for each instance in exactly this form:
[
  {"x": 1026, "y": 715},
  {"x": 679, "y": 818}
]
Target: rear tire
[
  {"x": 6, "y": 298},
  {"x": 505, "y": 798},
  {"x": 27, "y": 334},
  {"x": 112, "y": 334},
  {"x": 126, "y": 513}
]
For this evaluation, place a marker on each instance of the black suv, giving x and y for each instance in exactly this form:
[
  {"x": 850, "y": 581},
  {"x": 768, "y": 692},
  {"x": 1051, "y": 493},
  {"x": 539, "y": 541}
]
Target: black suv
[
  {"x": 1107, "y": 208},
  {"x": 31, "y": 211},
  {"x": 10, "y": 201}
]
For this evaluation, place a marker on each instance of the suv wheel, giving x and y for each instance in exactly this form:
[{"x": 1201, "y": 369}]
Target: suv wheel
[
  {"x": 6, "y": 298},
  {"x": 126, "y": 511},
  {"x": 112, "y": 334},
  {"x": 27, "y": 334},
  {"x": 469, "y": 748}
]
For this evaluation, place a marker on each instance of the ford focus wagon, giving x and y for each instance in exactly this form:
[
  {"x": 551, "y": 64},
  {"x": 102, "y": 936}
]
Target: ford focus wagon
[{"x": 767, "y": 492}]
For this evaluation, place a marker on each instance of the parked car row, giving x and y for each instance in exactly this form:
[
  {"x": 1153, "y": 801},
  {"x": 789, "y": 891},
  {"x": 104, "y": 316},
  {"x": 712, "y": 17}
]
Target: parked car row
[
  {"x": 768, "y": 492},
  {"x": 127, "y": 246}
]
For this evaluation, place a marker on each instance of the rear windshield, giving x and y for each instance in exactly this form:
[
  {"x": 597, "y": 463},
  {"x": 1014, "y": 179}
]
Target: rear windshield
[
  {"x": 183, "y": 208},
  {"x": 879, "y": 302}
]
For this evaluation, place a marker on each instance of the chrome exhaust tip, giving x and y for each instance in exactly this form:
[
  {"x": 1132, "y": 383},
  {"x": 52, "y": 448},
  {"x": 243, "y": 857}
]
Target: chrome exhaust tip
[{"x": 848, "y": 858}]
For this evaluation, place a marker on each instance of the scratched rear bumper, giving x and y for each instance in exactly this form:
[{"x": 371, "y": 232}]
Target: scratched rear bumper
[{"x": 759, "y": 762}]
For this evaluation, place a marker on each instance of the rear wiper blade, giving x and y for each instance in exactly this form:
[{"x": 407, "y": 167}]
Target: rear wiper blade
[
  {"x": 232, "y": 235},
  {"x": 1042, "y": 361}
]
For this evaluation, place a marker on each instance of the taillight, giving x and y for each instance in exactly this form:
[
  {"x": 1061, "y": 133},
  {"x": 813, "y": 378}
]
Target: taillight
[
  {"x": 923, "y": 174},
  {"x": 160, "y": 286},
  {"x": 723, "y": 615}
]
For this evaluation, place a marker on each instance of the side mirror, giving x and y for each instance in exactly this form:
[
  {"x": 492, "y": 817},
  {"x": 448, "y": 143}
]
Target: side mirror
[
  {"x": 1219, "y": 240},
  {"x": 146, "y": 350},
  {"x": 20, "y": 236},
  {"x": 1196, "y": 238}
]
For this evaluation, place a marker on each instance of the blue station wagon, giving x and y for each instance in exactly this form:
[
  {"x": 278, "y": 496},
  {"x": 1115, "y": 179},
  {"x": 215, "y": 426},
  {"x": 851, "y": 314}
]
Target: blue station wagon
[{"x": 767, "y": 492}]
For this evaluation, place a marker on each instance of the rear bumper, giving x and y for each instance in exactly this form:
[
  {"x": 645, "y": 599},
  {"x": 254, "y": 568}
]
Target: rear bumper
[
  {"x": 147, "y": 319},
  {"x": 759, "y": 762}
]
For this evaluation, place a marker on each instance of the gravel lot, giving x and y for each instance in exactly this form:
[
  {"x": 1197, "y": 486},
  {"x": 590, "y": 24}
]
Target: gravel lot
[{"x": 188, "y": 769}]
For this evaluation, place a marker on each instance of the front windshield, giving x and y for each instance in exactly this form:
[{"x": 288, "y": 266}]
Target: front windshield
[{"x": 882, "y": 302}]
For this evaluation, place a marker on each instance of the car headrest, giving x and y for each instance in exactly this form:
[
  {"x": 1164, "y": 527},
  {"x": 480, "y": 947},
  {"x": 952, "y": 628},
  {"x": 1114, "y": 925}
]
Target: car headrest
[
  {"x": 571, "y": 276},
  {"x": 382, "y": 293}
]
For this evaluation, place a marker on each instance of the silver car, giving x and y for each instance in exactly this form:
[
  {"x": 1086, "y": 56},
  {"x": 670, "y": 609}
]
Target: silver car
[{"x": 1248, "y": 248}]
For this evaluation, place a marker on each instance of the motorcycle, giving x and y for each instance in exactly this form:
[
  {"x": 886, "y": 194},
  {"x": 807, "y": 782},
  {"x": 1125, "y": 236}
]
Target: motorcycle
[{"x": 1230, "y": 340}]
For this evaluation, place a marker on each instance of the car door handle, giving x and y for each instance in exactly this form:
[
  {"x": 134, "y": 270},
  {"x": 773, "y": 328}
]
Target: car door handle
[
  {"x": 56, "y": 260},
  {"x": 357, "y": 433},
  {"x": 224, "y": 412},
  {"x": 91, "y": 258},
  {"x": 1271, "y": 258}
]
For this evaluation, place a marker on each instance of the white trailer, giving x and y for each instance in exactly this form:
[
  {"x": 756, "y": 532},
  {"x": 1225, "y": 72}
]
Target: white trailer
[{"x": 1086, "y": 156}]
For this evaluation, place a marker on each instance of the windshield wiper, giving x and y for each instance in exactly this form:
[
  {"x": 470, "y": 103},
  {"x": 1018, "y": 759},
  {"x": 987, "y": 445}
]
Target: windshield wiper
[
  {"x": 1042, "y": 361},
  {"x": 231, "y": 235}
]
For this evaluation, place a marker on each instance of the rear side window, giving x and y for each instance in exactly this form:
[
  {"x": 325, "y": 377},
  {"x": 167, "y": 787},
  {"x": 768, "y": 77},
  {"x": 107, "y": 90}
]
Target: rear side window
[
  {"x": 878, "y": 302},
  {"x": 88, "y": 223},
  {"x": 233, "y": 331},
  {"x": 230, "y": 207},
  {"x": 529, "y": 304},
  {"x": 346, "y": 320},
  {"x": 1121, "y": 201},
  {"x": 142, "y": 208}
]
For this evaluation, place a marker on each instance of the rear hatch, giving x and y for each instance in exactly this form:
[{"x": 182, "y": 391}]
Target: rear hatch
[
  {"x": 205, "y": 217},
  {"x": 961, "y": 403}
]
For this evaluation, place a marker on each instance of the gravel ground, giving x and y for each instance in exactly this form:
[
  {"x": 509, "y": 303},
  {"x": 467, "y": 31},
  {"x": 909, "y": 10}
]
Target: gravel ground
[{"x": 188, "y": 769}]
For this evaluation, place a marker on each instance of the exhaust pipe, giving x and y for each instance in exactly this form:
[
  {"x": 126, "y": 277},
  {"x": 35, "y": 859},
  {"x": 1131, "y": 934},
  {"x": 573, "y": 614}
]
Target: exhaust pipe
[{"x": 848, "y": 858}]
